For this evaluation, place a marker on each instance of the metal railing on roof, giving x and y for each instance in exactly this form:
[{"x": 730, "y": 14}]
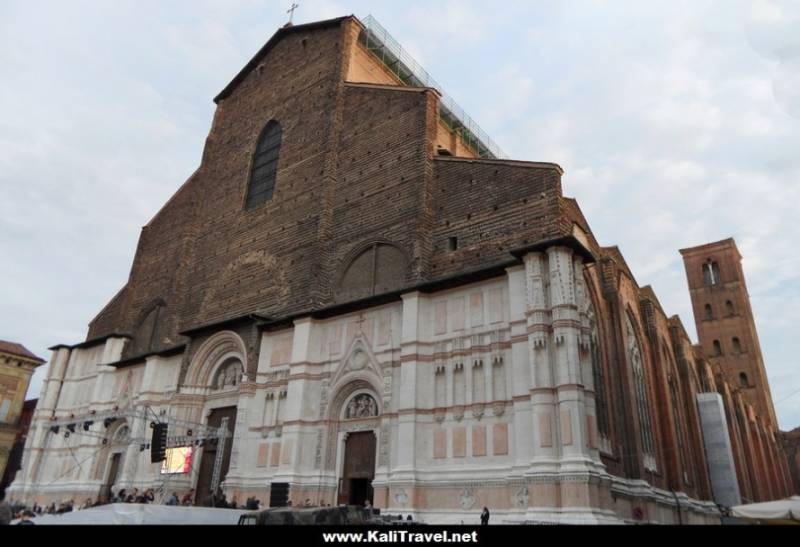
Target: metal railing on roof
[{"x": 382, "y": 45}]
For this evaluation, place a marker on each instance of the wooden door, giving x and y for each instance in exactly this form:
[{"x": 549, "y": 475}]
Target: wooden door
[
  {"x": 355, "y": 486},
  {"x": 203, "y": 489}
]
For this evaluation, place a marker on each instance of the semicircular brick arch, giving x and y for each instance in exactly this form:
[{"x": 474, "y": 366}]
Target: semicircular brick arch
[
  {"x": 212, "y": 354},
  {"x": 374, "y": 268}
]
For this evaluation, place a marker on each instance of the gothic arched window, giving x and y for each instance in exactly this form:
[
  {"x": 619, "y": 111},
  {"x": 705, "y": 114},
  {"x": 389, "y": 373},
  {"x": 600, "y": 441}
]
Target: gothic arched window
[
  {"x": 598, "y": 375},
  {"x": 737, "y": 345},
  {"x": 729, "y": 307},
  {"x": 717, "y": 348},
  {"x": 264, "y": 168},
  {"x": 640, "y": 393},
  {"x": 709, "y": 312}
]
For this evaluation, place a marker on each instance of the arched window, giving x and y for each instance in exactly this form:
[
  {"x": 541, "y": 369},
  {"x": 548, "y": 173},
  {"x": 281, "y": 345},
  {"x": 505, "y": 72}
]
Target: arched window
[
  {"x": 743, "y": 380},
  {"x": 709, "y": 312},
  {"x": 737, "y": 346},
  {"x": 264, "y": 168},
  {"x": 711, "y": 273},
  {"x": 729, "y": 307},
  {"x": 640, "y": 392},
  {"x": 717, "y": 348},
  {"x": 598, "y": 375}
]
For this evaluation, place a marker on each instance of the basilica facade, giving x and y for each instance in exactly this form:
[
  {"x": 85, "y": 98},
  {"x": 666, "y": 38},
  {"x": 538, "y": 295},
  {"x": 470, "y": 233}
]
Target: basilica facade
[{"x": 355, "y": 297}]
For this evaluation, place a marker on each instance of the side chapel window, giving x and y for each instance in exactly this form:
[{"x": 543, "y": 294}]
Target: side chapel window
[{"x": 640, "y": 389}]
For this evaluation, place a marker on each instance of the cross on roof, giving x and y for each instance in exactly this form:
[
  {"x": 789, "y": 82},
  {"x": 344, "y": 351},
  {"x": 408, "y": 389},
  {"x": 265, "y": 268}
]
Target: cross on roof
[{"x": 290, "y": 11}]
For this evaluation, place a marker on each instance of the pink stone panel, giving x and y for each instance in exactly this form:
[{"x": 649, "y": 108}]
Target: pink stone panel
[
  {"x": 275, "y": 455},
  {"x": 439, "y": 443},
  {"x": 478, "y": 440},
  {"x": 286, "y": 453},
  {"x": 545, "y": 430},
  {"x": 281, "y": 350},
  {"x": 336, "y": 339},
  {"x": 457, "y": 312},
  {"x": 459, "y": 442},
  {"x": 384, "y": 327},
  {"x": 591, "y": 428},
  {"x": 440, "y": 317},
  {"x": 476, "y": 309},
  {"x": 263, "y": 455},
  {"x": 566, "y": 427},
  {"x": 495, "y": 305},
  {"x": 500, "y": 439}
]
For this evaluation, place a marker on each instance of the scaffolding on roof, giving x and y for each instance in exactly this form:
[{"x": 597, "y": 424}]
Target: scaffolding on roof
[{"x": 385, "y": 48}]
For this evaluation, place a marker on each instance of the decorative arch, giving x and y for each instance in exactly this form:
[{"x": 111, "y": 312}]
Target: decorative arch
[
  {"x": 376, "y": 267},
  {"x": 217, "y": 352}
]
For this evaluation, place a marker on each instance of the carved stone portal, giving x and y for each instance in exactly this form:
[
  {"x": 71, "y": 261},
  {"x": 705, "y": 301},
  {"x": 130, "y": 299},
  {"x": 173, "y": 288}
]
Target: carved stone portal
[
  {"x": 228, "y": 375},
  {"x": 361, "y": 406}
]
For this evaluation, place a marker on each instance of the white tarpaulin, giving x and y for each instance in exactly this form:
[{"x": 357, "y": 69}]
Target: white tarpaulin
[
  {"x": 787, "y": 510},
  {"x": 139, "y": 513}
]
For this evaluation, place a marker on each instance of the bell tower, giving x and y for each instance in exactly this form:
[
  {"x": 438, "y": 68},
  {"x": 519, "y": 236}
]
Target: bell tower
[{"x": 724, "y": 320}]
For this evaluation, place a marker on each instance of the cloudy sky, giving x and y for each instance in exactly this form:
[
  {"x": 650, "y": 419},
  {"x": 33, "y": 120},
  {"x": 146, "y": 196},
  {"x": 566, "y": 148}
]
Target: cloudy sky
[{"x": 677, "y": 123}]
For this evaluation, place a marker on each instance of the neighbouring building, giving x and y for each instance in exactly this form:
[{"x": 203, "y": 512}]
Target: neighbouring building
[
  {"x": 375, "y": 304},
  {"x": 17, "y": 365},
  {"x": 15, "y": 456}
]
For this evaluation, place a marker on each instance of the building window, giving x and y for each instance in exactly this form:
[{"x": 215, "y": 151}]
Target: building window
[
  {"x": 709, "y": 312},
  {"x": 737, "y": 346},
  {"x": 640, "y": 392},
  {"x": 711, "y": 273},
  {"x": 264, "y": 168},
  {"x": 729, "y": 308},
  {"x": 743, "y": 380},
  {"x": 717, "y": 348}
]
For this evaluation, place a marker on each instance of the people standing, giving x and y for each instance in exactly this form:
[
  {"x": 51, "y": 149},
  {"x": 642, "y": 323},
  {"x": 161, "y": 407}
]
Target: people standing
[
  {"x": 5, "y": 512},
  {"x": 485, "y": 516}
]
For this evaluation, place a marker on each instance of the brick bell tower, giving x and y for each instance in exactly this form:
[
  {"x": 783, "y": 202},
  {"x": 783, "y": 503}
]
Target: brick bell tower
[{"x": 724, "y": 320}]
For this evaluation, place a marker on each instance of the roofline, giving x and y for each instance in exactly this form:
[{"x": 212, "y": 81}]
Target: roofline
[
  {"x": 705, "y": 247},
  {"x": 29, "y": 356},
  {"x": 279, "y": 34},
  {"x": 91, "y": 342},
  {"x": 498, "y": 161}
]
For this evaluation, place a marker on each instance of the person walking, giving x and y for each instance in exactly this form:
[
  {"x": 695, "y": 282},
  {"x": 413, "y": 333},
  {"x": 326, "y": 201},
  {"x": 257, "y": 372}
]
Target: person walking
[{"x": 485, "y": 516}]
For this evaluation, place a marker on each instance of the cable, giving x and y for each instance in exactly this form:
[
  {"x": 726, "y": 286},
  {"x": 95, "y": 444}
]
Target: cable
[{"x": 792, "y": 394}]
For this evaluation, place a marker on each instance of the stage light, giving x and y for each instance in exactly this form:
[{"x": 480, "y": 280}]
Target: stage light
[
  {"x": 87, "y": 425},
  {"x": 188, "y": 432},
  {"x": 108, "y": 421},
  {"x": 71, "y": 428},
  {"x": 66, "y": 434},
  {"x": 54, "y": 429},
  {"x": 141, "y": 448}
]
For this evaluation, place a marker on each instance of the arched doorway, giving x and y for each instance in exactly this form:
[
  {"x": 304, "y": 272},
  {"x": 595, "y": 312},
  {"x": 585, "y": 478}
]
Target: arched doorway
[
  {"x": 358, "y": 426},
  {"x": 224, "y": 382},
  {"x": 355, "y": 486},
  {"x": 111, "y": 459}
]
